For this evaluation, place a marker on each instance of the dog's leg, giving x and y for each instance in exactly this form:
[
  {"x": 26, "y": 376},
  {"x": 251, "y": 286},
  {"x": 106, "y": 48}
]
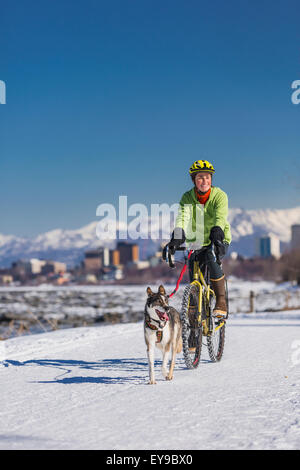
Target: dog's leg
[
  {"x": 166, "y": 353},
  {"x": 179, "y": 343},
  {"x": 176, "y": 348},
  {"x": 150, "y": 353},
  {"x": 170, "y": 374}
]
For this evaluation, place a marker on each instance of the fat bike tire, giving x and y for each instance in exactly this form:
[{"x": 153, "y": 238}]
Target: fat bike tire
[
  {"x": 191, "y": 327},
  {"x": 215, "y": 344},
  {"x": 215, "y": 341}
]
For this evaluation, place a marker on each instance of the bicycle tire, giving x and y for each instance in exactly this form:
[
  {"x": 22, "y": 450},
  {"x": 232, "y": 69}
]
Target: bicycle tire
[
  {"x": 215, "y": 344},
  {"x": 215, "y": 341},
  {"x": 191, "y": 327}
]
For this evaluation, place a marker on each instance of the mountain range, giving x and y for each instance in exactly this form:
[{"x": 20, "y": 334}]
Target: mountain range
[{"x": 69, "y": 245}]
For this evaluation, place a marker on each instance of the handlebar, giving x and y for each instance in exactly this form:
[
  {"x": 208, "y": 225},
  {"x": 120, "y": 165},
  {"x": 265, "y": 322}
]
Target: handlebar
[
  {"x": 171, "y": 255},
  {"x": 171, "y": 259}
]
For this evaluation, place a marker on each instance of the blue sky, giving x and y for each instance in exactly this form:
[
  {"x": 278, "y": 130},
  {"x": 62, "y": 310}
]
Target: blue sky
[{"x": 120, "y": 97}]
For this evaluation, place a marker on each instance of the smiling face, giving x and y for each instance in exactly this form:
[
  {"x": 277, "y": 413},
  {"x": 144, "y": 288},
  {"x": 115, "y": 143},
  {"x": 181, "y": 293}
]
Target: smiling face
[{"x": 203, "y": 181}]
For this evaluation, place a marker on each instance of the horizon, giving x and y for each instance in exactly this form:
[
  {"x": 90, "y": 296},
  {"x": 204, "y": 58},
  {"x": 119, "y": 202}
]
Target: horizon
[
  {"x": 130, "y": 218},
  {"x": 121, "y": 98}
]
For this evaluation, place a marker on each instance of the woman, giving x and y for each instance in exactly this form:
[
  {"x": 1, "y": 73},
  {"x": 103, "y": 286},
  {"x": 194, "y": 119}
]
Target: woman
[{"x": 202, "y": 216}]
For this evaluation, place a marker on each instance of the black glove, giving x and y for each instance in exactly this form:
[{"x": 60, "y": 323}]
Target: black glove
[
  {"x": 221, "y": 249},
  {"x": 216, "y": 234},
  {"x": 177, "y": 239}
]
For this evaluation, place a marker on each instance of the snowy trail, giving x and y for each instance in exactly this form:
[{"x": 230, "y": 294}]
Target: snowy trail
[{"x": 87, "y": 388}]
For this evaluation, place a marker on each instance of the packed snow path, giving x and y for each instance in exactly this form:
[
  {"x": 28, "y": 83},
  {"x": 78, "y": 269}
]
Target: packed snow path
[{"x": 87, "y": 388}]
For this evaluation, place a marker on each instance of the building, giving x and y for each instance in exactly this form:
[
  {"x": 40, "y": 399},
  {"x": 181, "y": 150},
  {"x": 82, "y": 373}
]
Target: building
[
  {"x": 156, "y": 259},
  {"x": 21, "y": 267},
  {"x": 233, "y": 255},
  {"x": 295, "y": 239},
  {"x": 105, "y": 256},
  {"x": 129, "y": 253},
  {"x": 269, "y": 246},
  {"x": 139, "y": 264},
  {"x": 92, "y": 261},
  {"x": 114, "y": 257},
  {"x": 99, "y": 258},
  {"x": 113, "y": 273},
  {"x": 37, "y": 265},
  {"x": 53, "y": 267},
  {"x": 6, "y": 278}
]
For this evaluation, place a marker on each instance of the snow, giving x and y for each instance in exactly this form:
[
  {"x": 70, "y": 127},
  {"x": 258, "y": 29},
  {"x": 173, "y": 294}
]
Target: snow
[
  {"x": 44, "y": 307},
  {"x": 87, "y": 388}
]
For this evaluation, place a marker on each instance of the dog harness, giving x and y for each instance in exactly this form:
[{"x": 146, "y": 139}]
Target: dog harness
[{"x": 159, "y": 333}]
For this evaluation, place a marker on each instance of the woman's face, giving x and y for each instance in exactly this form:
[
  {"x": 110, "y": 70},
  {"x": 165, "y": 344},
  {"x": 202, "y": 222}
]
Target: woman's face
[{"x": 203, "y": 181}]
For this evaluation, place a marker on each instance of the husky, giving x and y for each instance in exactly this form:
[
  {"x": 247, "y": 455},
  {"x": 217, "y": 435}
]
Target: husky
[{"x": 162, "y": 328}]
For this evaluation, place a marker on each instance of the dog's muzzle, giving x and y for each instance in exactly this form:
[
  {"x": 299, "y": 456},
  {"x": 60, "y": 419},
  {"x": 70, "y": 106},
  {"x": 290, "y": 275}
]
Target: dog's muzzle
[{"x": 162, "y": 315}]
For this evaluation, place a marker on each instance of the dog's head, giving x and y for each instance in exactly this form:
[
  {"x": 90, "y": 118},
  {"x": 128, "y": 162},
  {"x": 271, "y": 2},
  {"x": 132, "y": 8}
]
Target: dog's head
[{"x": 157, "y": 305}]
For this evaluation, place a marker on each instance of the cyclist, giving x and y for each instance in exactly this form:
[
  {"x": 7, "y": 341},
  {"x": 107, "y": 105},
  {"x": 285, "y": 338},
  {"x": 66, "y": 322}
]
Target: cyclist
[{"x": 214, "y": 227}]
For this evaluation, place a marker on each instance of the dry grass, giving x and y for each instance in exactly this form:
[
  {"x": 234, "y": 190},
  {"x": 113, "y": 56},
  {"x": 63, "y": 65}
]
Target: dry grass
[{"x": 21, "y": 328}]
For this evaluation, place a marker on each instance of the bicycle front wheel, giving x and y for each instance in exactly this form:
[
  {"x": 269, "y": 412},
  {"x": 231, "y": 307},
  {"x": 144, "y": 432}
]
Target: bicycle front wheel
[
  {"x": 191, "y": 326},
  {"x": 216, "y": 340}
]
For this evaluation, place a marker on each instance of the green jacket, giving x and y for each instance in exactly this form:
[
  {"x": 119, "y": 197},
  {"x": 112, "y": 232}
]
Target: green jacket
[{"x": 197, "y": 219}]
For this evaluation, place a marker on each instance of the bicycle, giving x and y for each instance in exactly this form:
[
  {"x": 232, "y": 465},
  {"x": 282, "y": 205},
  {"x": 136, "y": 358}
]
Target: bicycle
[{"x": 196, "y": 313}]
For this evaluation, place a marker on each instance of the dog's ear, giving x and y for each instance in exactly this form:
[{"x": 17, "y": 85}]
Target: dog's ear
[
  {"x": 149, "y": 291},
  {"x": 161, "y": 290}
]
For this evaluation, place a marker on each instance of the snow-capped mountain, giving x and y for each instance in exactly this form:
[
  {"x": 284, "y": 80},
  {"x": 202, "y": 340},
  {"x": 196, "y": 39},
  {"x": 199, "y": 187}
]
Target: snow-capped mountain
[
  {"x": 69, "y": 245},
  {"x": 248, "y": 225}
]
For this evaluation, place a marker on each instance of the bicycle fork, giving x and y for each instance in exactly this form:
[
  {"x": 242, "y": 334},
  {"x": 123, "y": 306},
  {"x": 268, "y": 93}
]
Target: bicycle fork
[{"x": 207, "y": 323}]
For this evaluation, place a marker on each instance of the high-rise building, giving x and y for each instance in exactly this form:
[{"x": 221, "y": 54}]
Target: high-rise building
[
  {"x": 114, "y": 257},
  {"x": 128, "y": 252},
  {"x": 96, "y": 259},
  {"x": 269, "y": 246},
  {"x": 92, "y": 261},
  {"x": 295, "y": 240},
  {"x": 105, "y": 256}
]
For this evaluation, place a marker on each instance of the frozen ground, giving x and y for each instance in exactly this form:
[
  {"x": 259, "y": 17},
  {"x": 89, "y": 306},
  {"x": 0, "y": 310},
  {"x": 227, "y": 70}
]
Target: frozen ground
[
  {"x": 86, "y": 388},
  {"x": 47, "y": 307}
]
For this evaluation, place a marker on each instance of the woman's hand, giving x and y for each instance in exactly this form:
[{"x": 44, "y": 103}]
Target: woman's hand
[
  {"x": 177, "y": 239},
  {"x": 216, "y": 234}
]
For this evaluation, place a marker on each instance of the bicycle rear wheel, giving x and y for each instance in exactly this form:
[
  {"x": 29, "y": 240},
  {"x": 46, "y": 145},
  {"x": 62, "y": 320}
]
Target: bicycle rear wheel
[{"x": 191, "y": 326}]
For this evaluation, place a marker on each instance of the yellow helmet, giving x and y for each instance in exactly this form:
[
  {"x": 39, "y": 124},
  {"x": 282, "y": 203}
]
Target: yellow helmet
[{"x": 201, "y": 165}]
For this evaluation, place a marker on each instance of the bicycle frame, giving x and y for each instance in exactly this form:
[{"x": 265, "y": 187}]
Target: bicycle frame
[{"x": 208, "y": 326}]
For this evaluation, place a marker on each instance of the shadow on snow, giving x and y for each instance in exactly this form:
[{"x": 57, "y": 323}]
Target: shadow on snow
[{"x": 127, "y": 370}]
